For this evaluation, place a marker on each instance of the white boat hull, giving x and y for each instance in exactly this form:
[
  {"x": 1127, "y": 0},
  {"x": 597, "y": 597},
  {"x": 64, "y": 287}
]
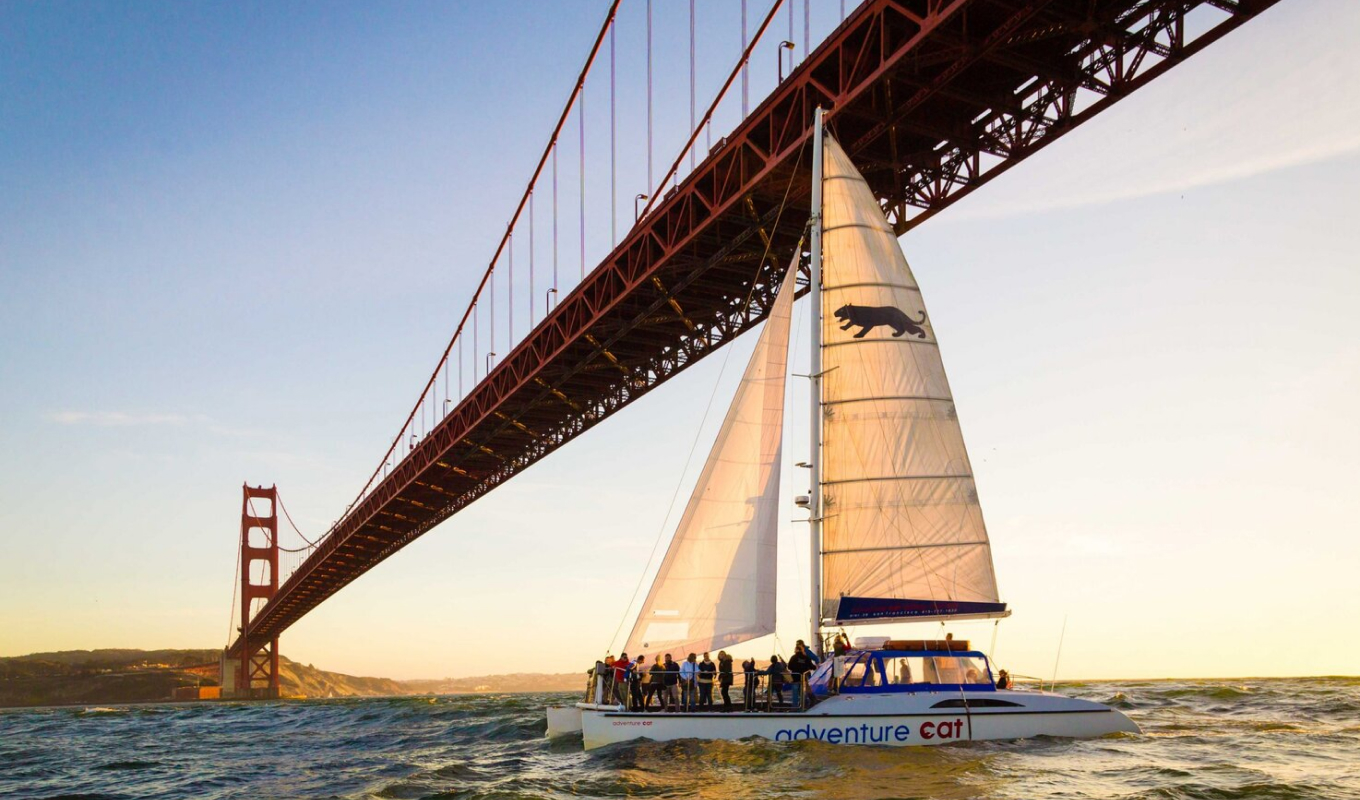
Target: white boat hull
[
  {"x": 897, "y": 720},
  {"x": 563, "y": 721}
]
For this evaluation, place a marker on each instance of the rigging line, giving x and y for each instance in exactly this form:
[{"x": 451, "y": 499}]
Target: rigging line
[
  {"x": 783, "y": 203},
  {"x": 708, "y": 115},
  {"x": 550, "y": 147},
  {"x": 794, "y": 337}
]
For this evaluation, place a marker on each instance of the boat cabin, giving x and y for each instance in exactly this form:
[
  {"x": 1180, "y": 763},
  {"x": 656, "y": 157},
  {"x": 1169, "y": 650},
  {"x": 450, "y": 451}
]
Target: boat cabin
[{"x": 878, "y": 671}]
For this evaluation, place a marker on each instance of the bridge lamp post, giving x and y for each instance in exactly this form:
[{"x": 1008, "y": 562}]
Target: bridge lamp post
[
  {"x": 637, "y": 214},
  {"x": 779, "y": 54},
  {"x": 548, "y": 297}
]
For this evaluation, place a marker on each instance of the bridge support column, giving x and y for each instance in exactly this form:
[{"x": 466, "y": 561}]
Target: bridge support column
[{"x": 257, "y": 662}]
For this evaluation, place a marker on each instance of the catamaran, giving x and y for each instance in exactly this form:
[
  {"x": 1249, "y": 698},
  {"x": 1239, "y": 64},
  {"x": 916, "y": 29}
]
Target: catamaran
[{"x": 897, "y": 533}]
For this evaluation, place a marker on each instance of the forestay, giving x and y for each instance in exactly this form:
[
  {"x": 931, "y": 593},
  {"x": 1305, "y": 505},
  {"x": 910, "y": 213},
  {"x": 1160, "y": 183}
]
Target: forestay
[
  {"x": 902, "y": 531},
  {"x": 716, "y": 585}
]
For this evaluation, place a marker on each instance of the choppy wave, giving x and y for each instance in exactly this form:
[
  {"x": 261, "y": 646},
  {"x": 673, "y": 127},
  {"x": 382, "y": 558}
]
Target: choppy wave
[{"x": 1202, "y": 740}]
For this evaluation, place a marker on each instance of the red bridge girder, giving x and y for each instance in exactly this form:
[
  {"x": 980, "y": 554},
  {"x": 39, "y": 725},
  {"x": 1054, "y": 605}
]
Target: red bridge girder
[{"x": 932, "y": 98}]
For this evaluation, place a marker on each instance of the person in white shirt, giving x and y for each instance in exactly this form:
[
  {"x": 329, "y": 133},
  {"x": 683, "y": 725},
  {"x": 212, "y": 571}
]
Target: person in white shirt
[{"x": 689, "y": 673}]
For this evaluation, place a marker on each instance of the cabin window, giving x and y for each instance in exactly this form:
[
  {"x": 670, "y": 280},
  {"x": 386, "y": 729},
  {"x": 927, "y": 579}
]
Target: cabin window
[
  {"x": 854, "y": 676},
  {"x": 956, "y": 669},
  {"x": 903, "y": 670}
]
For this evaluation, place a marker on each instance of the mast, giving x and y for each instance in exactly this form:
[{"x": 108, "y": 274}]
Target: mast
[{"x": 815, "y": 379}]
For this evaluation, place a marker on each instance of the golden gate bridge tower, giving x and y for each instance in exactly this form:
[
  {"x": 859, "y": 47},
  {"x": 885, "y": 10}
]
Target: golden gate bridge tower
[{"x": 251, "y": 669}]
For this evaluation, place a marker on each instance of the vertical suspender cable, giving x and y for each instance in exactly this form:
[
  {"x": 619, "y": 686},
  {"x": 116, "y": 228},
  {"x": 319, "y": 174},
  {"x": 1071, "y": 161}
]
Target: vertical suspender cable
[
  {"x": 745, "y": 69},
  {"x": 807, "y": 27},
  {"x": 582, "y": 111},
  {"x": 707, "y": 119},
  {"x": 474, "y": 344},
  {"x": 790, "y": 37},
  {"x": 691, "y": 79},
  {"x": 613, "y": 149},
  {"x": 510, "y": 295},
  {"x": 531, "y": 261},
  {"x": 554, "y": 286},
  {"x": 649, "y": 96},
  {"x": 548, "y": 149},
  {"x": 491, "y": 329}
]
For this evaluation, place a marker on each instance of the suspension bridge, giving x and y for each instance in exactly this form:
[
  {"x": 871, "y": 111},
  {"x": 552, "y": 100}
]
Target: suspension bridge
[{"x": 931, "y": 98}]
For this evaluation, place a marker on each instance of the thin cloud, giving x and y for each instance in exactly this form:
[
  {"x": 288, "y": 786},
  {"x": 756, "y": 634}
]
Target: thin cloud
[{"x": 115, "y": 419}]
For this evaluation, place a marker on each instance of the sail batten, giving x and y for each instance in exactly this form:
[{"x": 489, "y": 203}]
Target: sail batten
[
  {"x": 902, "y": 532},
  {"x": 716, "y": 585}
]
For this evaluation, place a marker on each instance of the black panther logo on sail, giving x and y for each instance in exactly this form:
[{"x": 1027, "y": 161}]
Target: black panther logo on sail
[{"x": 866, "y": 318}]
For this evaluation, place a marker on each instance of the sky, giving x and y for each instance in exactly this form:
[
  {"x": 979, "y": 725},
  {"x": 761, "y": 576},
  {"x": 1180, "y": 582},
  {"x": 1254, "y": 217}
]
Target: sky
[{"x": 234, "y": 240}]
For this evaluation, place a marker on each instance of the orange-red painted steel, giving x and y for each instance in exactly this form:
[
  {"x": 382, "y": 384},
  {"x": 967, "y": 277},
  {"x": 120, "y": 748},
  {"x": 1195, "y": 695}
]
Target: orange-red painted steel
[{"x": 932, "y": 98}]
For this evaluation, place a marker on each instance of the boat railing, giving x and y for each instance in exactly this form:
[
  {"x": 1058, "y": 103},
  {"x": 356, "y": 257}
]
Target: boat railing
[{"x": 666, "y": 690}]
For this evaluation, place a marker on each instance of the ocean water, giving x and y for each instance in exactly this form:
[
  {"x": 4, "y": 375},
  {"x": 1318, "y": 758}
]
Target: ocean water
[{"x": 1217, "y": 740}]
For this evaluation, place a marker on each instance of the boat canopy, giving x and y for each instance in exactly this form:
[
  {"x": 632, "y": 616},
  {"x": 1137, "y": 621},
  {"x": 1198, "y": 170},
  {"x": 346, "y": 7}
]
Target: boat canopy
[{"x": 880, "y": 671}]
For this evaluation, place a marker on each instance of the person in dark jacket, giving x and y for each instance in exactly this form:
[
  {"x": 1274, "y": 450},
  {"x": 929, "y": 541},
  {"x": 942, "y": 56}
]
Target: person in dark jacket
[
  {"x": 800, "y": 664},
  {"x": 656, "y": 687},
  {"x": 752, "y": 682},
  {"x": 776, "y": 672},
  {"x": 812, "y": 654},
  {"x": 636, "y": 676},
  {"x": 671, "y": 683},
  {"x": 708, "y": 671},
  {"x": 725, "y": 678}
]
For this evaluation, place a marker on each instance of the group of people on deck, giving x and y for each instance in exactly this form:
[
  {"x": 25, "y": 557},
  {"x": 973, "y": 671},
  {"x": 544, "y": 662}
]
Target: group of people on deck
[{"x": 688, "y": 685}]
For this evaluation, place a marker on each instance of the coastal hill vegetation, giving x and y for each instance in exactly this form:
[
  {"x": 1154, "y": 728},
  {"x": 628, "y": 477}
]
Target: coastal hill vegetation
[{"x": 148, "y": 676}]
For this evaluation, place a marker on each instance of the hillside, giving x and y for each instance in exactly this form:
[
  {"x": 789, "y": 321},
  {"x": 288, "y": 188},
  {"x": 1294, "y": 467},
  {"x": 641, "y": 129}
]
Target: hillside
[
  {"x": 147, "y": 676},
  {"x": 79, "y": 677}
]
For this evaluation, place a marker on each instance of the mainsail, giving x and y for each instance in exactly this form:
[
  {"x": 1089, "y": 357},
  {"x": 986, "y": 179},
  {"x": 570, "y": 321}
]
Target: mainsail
[
  {"x": 716, "y": 585},
  {"x": 902, "y": 531}
]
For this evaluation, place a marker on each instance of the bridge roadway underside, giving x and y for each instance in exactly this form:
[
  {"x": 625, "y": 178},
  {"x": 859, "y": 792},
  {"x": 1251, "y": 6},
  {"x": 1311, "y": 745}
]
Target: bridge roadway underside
[{"x": 932, "y": 98}]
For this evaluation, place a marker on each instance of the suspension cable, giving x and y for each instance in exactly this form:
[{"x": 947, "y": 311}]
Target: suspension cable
[
  {"x": 650, "y": 184},
  {"x": 613, "y": 150},
  {"x": 691, "y": 80},
  {"x": 739, "y": 69},
  {"x": 235, "y": 585},
  {"x": 531, "y": 261},
  {"x": 288, "y": 517},
  {"x": 548, "y": 149},
  {"x": 745, "y": 77},
  {"x": 581, "y": 117}
]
